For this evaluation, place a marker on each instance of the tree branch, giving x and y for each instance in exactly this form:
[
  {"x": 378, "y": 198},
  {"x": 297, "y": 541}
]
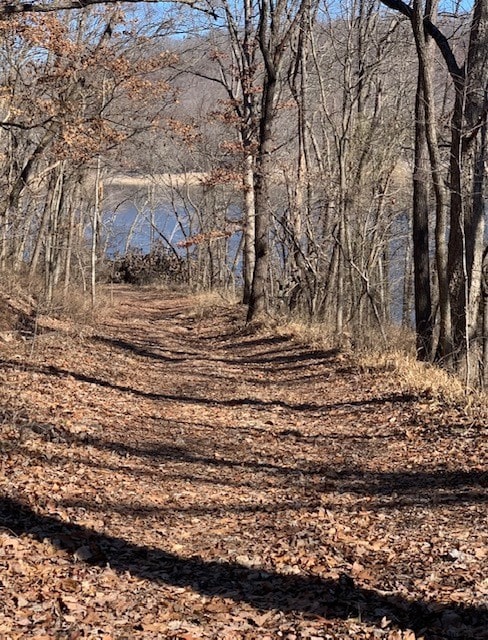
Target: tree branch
[
  {"x": 12, "y": 7},
  {"x": 8, "y": 124},
  {"x": 457, "y": 72}
]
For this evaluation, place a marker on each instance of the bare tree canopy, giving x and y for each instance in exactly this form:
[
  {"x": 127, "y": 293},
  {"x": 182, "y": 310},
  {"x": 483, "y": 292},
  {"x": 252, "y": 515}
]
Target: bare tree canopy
[{"x": 440, "y": 39}]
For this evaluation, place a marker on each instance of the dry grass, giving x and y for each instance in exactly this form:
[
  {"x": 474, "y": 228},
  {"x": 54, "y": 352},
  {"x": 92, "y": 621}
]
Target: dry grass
[
  {"x": 24, "y": 313},
  {"x": 207, "y": 303},
  {"x": 74, "y": 312},
  {"x": 314, "y": 334},
  {"x": 370, "y": 353},
  {"x": 29, "y": 295},
  {"x": 428, "y": 380}
]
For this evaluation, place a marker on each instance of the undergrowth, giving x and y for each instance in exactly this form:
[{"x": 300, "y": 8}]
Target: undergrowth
[{"x": 370, "y": 352}]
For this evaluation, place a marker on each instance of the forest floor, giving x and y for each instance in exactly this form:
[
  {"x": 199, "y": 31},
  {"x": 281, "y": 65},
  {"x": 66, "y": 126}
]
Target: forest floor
[{"x": 168, "y": 474}]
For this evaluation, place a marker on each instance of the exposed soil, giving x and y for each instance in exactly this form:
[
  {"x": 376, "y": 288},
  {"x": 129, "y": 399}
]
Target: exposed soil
[{"x": 175, "y": 476}]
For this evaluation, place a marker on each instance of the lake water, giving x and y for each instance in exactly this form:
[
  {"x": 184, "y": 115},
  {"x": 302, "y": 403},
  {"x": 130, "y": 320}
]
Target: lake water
[
  {"x": 168, "y": 226},
  {"x": 144, "y": 228}
]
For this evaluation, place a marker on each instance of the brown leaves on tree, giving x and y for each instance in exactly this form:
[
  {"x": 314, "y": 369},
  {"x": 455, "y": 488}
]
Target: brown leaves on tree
[
  {"x": 187, "y": 132},
  {"x": 74, "y": 86},
  {"x": 203, "y": 237},
  {"x": 221, "y": 176},
  {"x": 169, "y": 475}
]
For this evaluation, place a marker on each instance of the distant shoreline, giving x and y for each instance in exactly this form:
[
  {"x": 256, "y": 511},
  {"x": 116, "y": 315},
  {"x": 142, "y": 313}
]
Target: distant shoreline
[{"x": 171, "y": 180}]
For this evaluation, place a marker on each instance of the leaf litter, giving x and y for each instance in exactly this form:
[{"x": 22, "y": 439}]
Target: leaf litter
[{"x": 173, "y": 476}]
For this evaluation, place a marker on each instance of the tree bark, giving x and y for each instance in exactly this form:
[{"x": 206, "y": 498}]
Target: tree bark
[
  {"x": 249, "y": 251},
  {"x": 257, "y": 302},
  {"x": 420, "y": 232}
]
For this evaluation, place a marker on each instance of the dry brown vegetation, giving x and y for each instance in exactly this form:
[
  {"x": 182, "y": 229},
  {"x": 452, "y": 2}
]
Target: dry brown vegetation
[
  {"x": 397, "y": 357},
  {"x": 169, "y": 474}
]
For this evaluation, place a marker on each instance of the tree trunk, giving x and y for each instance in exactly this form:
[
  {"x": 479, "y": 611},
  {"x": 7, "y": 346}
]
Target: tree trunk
[
  {"x": 426, "y": 130},
  {"x": 258, "y": 301},
  {"x": 69, "y": 247},
  {"x": 267, "y": 43},
  {"x": 420, "y": 230},
  {"x": 52, "y": 235},
  {"x": 468, "y": 185},
  {"x": 484, "y": 358},
  {"x": 249, "y": 253},
  {"x": 95, "y": 234}
]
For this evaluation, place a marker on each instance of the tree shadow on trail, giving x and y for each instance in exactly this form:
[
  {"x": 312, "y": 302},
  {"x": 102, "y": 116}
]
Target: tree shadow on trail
[
  {"x": 230, "y": 402},
  {"x": 391, "y": 489},
  {"x": 264, "y": 590},
  {"x": 146, "y": 350},
  {"x": 285, "y": 357}
]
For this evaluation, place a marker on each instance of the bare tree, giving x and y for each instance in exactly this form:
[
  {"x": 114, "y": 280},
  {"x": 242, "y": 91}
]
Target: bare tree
[{"x": 460, "y": 272}]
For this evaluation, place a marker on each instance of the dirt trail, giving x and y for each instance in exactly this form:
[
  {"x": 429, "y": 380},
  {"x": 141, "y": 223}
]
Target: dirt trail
[{"x": 171, "y": 476}]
